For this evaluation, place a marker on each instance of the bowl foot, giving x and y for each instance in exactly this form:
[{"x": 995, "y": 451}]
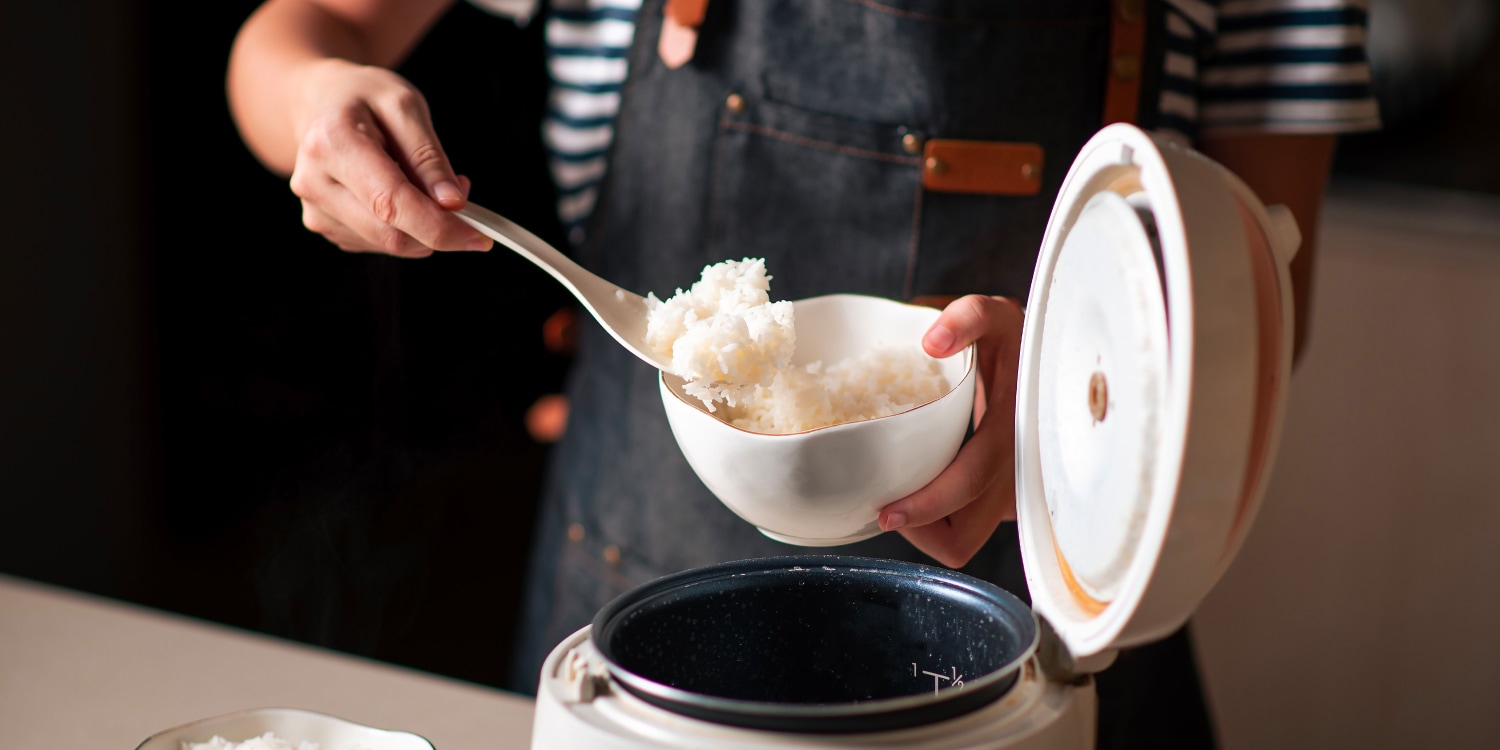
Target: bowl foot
[{"x": 873, "y": 529}]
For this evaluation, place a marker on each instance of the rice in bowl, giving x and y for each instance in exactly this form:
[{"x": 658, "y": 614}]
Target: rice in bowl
[{"x": 733, "y": 347}]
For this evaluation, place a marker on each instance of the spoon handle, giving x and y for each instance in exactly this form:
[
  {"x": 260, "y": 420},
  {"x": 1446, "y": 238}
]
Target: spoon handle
[
  {"x": 576, "y": 278},
  {"x": 621, "y": 312}
]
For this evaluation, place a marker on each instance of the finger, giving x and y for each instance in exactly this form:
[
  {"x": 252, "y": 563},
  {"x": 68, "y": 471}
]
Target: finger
[
  {"x": 975, "y": 318},
  {"x": 414, "y": 143},
  {"x": 332, "y": 211},
  {"x": 980, "y": 464},
  {"x": 348, "y": 240},
  {"x": 318, "y": 221},
  {"x": 955, "y": 540},
  {"x": 388, "y": 198},
  {"x": 952, "y": 517},
  {"x": 966, "y": 320},
  {"x": 351, "y": 151}
]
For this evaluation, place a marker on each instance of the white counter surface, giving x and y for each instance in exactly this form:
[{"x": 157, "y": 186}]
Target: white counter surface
[{"x": 78, "y": 671}]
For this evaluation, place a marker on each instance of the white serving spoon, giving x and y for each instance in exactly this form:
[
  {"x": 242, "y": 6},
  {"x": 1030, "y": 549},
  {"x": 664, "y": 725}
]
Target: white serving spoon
[{"x": 621, "y": 312}]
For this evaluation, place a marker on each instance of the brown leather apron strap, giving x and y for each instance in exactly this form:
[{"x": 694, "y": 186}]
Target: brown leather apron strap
[
  {"x": 686, "y": 12},
  {"x": 982, "y": 167},
  {"x": 1127, "y": 47}
]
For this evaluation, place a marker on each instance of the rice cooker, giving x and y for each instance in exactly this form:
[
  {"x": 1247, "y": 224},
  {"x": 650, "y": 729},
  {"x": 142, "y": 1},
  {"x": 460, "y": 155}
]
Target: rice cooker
[{"x": 1153, "y": 377}]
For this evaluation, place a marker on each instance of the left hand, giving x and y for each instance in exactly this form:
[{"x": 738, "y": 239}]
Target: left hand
[{"x": 955, "y": 514}]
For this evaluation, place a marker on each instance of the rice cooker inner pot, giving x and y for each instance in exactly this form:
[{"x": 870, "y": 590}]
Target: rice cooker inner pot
[{"x": 817, "y": 643}]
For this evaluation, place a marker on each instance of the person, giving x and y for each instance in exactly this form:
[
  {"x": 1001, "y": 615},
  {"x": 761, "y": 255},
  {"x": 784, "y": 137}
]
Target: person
[{"x": 685, "y": 133}]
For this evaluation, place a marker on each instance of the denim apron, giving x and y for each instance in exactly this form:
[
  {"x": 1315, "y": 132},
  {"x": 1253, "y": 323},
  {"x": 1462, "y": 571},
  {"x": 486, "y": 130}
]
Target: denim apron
[{"x": 790, "y": 135}]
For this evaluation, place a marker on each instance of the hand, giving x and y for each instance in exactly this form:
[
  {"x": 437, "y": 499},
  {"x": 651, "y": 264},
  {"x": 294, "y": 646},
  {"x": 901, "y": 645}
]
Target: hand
[
  {"x": 953, "y": 516},
  {"x": 369, "y": 169}
]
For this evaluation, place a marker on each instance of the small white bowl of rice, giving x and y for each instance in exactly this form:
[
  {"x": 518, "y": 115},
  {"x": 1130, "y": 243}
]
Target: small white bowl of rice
[
  {"x": 859, "y": 417},
  {"x": 281, "y": 729}
]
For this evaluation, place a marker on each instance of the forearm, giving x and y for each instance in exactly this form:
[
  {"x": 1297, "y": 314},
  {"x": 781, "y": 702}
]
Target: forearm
[
  {"x": 1291, "y": 170},
  {"x": 286, "y": 41}
]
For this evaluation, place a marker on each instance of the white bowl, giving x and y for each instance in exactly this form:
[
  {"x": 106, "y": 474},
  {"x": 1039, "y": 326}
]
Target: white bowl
[
  {"x": 291, "y": 724},
  {"x": 826, "y": 486}
]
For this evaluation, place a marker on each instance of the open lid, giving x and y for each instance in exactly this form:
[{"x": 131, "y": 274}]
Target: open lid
[{"x": 1153, "y": 377}]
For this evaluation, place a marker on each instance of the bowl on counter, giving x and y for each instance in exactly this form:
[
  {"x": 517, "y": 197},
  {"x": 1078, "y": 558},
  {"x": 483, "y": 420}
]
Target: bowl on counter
[
  {"x": 292, "y": 725},
  {"x": 826, "y": 486}
]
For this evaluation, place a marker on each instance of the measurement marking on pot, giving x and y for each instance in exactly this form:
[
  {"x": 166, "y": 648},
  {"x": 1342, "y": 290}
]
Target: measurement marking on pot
[{"x": 956, "y": 678}]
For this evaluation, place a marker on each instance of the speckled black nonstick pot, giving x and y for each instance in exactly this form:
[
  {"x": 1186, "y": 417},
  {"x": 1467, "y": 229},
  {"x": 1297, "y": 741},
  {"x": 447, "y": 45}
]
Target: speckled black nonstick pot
[{"x": 816, "y": 643}]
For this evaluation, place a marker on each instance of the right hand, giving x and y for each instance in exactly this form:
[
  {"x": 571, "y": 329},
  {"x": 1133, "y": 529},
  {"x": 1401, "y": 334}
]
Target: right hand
[
  {"x": 370, "y": 172},
  {"x": 954, "y": 515}
]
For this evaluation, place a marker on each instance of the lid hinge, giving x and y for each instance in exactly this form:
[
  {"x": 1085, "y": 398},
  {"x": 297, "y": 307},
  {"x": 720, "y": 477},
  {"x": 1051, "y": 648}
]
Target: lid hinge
[{"x": 1060, "y": 665}]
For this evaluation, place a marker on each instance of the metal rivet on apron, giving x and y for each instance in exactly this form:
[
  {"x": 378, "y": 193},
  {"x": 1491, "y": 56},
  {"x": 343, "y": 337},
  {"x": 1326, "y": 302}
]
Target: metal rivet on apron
[
  {"x": 612, "y": 555},
  {"x": 735, "y": 103},
  {"x": 575, "y": 532},
  {"x": 911, "y": 143},
  {"x": 1125, "y": 66},
  {"x": 936, "y": 165},
  {"x": 1130, "y": 10}
]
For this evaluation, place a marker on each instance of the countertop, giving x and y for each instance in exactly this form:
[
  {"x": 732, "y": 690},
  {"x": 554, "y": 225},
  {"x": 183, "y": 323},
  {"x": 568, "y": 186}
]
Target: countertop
[{"x": 79, "y": 671}]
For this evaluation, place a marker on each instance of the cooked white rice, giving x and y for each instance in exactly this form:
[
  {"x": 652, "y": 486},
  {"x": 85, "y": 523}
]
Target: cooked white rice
[
  {"x": 724, "y": 335},
  {"x": 733, "y": 346},
  {"x": 267, "y": 741},
  {"x": 881, "y": 382}
]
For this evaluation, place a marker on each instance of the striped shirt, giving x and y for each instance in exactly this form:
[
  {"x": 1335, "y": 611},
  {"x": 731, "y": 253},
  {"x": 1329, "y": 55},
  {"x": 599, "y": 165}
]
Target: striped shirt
[
  {"x": 587, "y": 41},
  {"x": 1283, "y": 66}
]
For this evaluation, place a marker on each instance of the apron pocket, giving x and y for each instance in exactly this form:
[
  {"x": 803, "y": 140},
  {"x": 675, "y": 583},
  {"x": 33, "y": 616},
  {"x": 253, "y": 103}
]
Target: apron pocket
[{"x": 833, "y": 205}]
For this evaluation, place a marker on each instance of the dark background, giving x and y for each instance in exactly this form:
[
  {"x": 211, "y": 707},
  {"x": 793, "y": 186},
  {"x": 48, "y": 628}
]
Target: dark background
[{"x": 206, "y": 409}]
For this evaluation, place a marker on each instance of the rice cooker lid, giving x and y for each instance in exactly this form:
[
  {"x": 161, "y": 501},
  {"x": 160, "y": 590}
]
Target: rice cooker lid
[{"x": 1153, "y": 378}]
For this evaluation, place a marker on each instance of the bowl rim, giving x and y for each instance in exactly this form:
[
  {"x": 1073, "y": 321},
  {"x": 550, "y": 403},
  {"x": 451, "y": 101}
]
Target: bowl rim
[
  {"x": 275, "y": 709},
  {"x": 969, "y": 353}
]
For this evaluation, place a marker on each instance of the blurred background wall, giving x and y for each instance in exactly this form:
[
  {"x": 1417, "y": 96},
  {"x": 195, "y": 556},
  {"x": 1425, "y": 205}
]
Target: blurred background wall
[
  {"x": 1361, "y": 609},
  {"x": 206, "y": 409}
]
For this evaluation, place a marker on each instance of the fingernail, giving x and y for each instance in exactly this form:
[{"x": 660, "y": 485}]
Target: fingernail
[
  {"x": 938, "y": 339},
  {"x": 894, "y": 520},
  {"x": 447, "y": 192},
  {"x": 479, "y": 243}
]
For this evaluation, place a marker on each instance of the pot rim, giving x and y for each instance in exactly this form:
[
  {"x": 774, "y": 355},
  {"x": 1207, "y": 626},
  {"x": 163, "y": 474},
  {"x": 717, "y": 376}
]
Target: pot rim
[{"x": 998, "y": 681}]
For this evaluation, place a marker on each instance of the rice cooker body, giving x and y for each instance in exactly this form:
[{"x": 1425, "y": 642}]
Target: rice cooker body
[
  {"x": 580, "y": 705},
  {"x": 1132, "y": 343},
  {"x": 811, "y": 651}
]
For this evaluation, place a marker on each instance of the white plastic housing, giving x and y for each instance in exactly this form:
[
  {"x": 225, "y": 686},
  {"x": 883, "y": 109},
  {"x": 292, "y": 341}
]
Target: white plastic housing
[
  {"x": 1153, "y": 376},
  {"x": 1037, "y": 714}
]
